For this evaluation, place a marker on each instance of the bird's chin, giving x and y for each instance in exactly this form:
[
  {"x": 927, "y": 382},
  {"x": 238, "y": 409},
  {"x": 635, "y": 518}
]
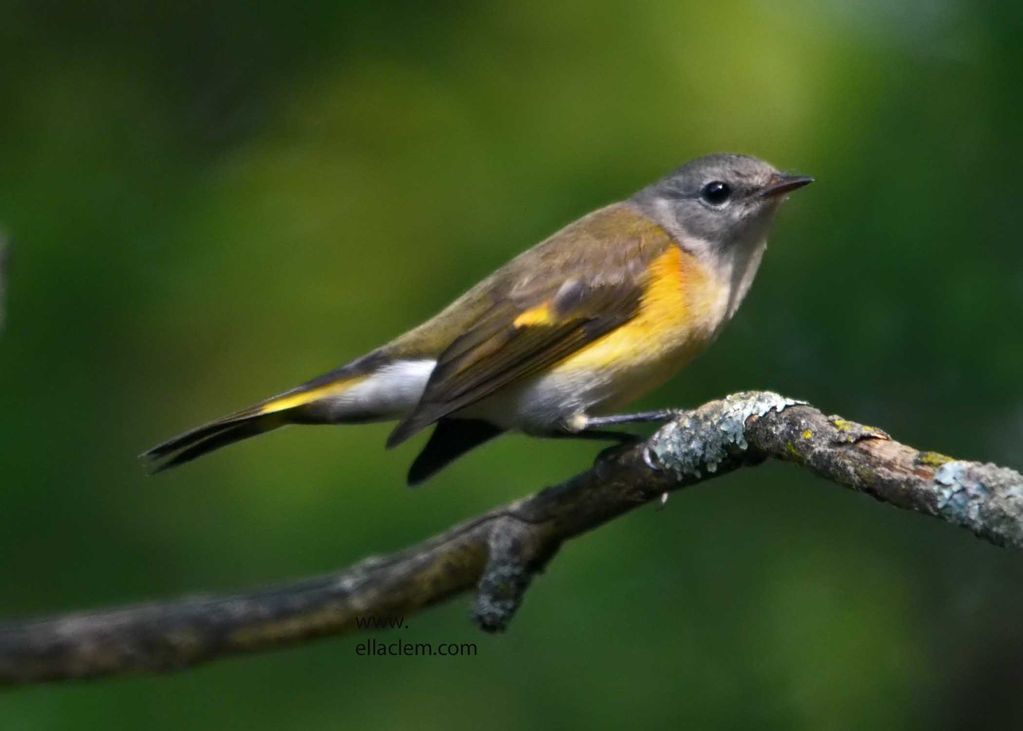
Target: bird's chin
[{"x": 758, "y": 223}]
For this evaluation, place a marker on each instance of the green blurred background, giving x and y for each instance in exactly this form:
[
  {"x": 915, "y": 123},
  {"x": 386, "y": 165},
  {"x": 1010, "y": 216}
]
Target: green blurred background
[{"x": 213, "y": 202}]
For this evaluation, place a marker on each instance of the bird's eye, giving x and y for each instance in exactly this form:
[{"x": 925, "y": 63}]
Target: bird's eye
[{"x": 716, "y": 193}]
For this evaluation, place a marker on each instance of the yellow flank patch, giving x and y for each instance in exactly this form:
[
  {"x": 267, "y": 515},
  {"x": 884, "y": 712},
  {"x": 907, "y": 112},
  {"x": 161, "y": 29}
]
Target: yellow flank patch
[
  {"x": 676, "y": 320},
  {"x": 289, "y": 401},
  {"x": 539, "y": 315}
]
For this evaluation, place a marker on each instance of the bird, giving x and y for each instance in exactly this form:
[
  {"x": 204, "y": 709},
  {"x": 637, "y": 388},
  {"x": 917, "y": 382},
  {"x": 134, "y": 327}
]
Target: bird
[{"x": 558, "y": 339}]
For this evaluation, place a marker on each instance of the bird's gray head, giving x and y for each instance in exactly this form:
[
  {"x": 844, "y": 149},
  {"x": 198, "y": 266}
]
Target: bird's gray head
[
  {"x": 719, "y": 199},
  {"x": 720, "y": 208}
]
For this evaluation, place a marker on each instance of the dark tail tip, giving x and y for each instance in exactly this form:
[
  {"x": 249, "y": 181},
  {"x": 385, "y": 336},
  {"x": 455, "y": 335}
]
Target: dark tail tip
[{"x": 191, "y": 445}]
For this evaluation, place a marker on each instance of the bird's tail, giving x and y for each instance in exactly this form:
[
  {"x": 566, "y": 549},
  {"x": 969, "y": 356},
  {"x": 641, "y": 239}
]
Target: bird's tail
[
  {"x": 299, "y": 405},
  {"x": 208, "y": 437}
]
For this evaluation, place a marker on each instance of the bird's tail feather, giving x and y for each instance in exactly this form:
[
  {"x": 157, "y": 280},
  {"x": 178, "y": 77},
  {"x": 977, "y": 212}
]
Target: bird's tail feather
[
  {"x": 299, "y": 405},
  {"x": 208, "y": 437}
]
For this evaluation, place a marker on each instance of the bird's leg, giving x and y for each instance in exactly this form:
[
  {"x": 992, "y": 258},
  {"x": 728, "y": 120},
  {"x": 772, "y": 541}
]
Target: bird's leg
[
  {"x": 639, "y": 417},
  {"x": 625, "y": 439},
  {"x": 587, "y": 427},
  {"x": 582, "y": 426}
]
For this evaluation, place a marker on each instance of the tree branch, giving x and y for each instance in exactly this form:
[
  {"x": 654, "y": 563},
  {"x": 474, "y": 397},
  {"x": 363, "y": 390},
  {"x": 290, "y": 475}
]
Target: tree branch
[{"x": 501, "y": 551}]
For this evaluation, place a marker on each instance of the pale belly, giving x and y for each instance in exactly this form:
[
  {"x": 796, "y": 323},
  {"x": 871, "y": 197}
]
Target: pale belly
[{"x": 554, "y": 401}]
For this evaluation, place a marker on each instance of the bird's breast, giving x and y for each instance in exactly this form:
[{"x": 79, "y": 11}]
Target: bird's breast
[{"x": 680, "y": 312}]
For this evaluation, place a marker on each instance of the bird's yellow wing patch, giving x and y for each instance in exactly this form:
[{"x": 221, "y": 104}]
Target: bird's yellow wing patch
[
  {"x": 539, "y": 315},
  {"x": 308, "y": 395}
]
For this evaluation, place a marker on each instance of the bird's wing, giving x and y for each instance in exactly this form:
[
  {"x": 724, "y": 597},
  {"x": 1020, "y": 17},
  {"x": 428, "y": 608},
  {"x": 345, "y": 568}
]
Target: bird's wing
[
  {"x": 511, "y": 343},
  {"x": 531, "y": 326}
]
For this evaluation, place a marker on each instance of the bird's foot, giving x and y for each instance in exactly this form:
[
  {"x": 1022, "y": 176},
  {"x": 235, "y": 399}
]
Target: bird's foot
[{"x": 625, "y": 442}]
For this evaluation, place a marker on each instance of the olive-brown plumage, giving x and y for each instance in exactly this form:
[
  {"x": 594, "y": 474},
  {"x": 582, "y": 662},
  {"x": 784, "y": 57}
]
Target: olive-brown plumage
[{"x": 599, "y": 313}]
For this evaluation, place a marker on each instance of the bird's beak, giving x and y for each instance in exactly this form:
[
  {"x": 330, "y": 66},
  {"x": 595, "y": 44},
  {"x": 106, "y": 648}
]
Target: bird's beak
[{"x": 781, "y": 184}]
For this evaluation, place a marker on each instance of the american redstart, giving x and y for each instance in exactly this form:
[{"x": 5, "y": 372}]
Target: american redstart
[{"x": 601, "y": 312}]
